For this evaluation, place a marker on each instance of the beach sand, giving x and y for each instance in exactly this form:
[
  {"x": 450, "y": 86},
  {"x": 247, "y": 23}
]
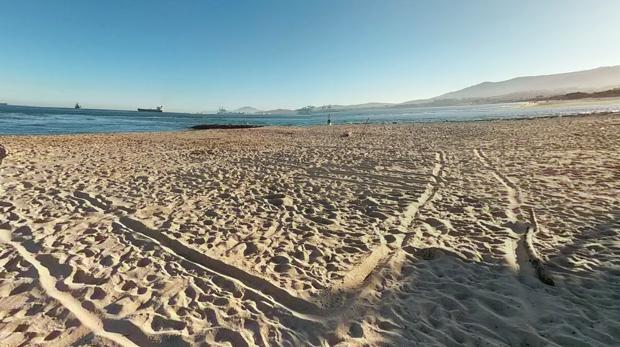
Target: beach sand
[{"x": 499, "y": 233}]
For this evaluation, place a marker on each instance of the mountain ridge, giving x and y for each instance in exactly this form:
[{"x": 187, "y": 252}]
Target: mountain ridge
[
  {"x": 520, "y": 88},
  {"x": 592, "y": 80}
]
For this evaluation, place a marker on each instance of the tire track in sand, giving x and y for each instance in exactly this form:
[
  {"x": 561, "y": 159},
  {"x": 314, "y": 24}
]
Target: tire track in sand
[
  {"x": 266, "y": 290},
  {"x": 301, "y": 308},
  {"x": 277, "y": 296},
  {"x": 382, "y": 254},
  {"x": 521, "y": 255},
  {"x": 114, "y": 330},
  {"x": 48, "y": 283},
  {"x": 411, "y": 211},
  {"x": 512, "y": 191}
]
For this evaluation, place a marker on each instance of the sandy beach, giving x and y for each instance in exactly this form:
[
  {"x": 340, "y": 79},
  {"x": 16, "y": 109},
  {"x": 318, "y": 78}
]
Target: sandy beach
[{"x": 498, "y": 233}]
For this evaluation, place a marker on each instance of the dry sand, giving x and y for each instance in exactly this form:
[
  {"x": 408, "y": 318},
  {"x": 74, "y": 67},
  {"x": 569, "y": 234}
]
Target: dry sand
[{"x": 487, "y": 233}]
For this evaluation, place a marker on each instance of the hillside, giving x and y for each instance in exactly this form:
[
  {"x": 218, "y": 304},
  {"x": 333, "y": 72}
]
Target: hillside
[
  {"x": 612, "y": 93},
  {"x": 520, "y": 88},
  {"x": 594, "y": 83}
]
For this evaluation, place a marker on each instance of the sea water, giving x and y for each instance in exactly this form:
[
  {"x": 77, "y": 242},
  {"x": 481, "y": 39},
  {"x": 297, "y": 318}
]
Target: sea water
[{"x": 21, "y": 120}]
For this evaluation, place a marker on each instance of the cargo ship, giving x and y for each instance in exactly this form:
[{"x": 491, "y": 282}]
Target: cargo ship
[{"x": 157, "y": 109}]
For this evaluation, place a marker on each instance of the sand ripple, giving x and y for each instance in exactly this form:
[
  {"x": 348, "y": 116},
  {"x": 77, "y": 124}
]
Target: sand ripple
[{"x": 486, "y": 233}]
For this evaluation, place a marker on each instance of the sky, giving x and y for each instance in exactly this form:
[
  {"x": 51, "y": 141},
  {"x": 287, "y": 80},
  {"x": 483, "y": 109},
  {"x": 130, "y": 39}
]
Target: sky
[{"x": 193, "y": 56}]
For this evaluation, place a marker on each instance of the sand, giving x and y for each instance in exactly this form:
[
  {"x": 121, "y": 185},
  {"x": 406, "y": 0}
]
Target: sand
[
  {"x": 587, "y": 102},
  {"x": 502, "y": 233}
]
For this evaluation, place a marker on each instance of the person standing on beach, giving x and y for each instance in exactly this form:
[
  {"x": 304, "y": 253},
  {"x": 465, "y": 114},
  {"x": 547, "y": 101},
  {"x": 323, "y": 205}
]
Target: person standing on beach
[{"x": 329, "y": 119}]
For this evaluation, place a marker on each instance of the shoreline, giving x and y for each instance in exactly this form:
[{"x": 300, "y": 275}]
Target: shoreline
[{"x": 310, "y": 126}]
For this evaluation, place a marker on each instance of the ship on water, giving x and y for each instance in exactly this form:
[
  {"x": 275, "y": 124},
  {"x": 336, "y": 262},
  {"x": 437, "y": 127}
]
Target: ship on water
[
  {"x": 157, "y": 109},
  {"x": 77, "y": 106}
]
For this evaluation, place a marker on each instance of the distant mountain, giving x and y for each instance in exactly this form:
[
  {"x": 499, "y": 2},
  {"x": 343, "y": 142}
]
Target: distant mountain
[
  {"x": 247, "y": 109},
  {"x": 281, "y": 111},
  {"x": 515, "y": 89},
  {"x": 367, "y": 105},
  {"x": 526, "y": 88},
  {"x": 522, "y": 88},
  {"x": 612, "y": 93}
]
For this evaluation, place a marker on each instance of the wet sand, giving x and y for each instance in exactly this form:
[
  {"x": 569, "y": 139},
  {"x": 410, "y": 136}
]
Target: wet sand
[{"x": 499, "y": 233}]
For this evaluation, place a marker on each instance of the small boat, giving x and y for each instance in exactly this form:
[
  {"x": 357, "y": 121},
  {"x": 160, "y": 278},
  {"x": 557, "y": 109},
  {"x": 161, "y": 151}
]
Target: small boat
[
  {"x": 77, "y": 106},
  {"x": 157, "y": 109}
]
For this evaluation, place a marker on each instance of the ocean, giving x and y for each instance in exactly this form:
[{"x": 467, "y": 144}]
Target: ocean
[{"x": 23, "y": 120}]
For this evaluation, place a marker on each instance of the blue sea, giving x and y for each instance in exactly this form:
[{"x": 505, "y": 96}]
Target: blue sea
[{"x": 21, "y": 120}]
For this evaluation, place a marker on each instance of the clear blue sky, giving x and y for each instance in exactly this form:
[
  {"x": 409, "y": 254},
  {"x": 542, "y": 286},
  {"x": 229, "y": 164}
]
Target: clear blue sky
[{"x": 198, "y": 55}]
